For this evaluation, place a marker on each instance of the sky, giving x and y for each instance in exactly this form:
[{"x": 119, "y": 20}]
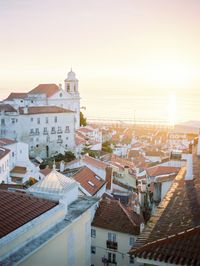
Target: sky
[{"x": 130, "y": 56}]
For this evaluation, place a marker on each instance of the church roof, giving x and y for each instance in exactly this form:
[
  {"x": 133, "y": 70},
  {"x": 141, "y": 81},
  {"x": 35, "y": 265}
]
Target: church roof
[
  {"x": 54, "y": 183},
  {"x": 48, "y": 89},
  {"x": 16, "y": 95}
]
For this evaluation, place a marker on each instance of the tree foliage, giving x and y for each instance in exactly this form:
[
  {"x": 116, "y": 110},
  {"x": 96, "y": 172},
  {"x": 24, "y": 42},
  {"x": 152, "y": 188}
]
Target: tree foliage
[
  {"x": 83, "y": 120},
  {"x": 106, "y": 147}
]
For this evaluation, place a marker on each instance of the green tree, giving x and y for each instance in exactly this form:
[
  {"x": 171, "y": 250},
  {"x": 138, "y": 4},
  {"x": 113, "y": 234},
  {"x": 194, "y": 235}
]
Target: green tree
[
  {"x": 106, "y": 147},
  {"x": 83, "y": 121}
]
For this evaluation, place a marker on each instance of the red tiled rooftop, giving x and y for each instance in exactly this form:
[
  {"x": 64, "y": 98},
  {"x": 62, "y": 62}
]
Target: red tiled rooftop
[
  {"x": 162, "y": 170},
  {"x": 85, "y": 130},
  {"x": 86, "y": 178},
  {"x": 43, "y": 110},
  {"x": 46, "y": 171},
  {"x": 3, "y": 152},
  {"x": 180, "y": 249},
  {"x": 112, "y": 215},
  {"x": 6, "y": 141},
  {"x": 178, "y": 212},
  {"x": 94, "y": 162},
  {"x": 17, "y": 209},
  {"x": 122, "y": 161},
  {"x": 16, "y": 95},
  {"x": 18, "y": 170},
  {"x": 48, "y": 89},
  {"x": 7, "y": 108}
]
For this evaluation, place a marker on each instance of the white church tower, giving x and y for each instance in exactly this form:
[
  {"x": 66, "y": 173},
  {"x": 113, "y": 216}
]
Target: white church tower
[{"x": 71, "y": 88}]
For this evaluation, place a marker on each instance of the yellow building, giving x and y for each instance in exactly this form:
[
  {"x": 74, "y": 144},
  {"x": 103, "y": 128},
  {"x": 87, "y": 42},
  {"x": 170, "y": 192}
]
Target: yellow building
[{"x": 36, "y": 230}]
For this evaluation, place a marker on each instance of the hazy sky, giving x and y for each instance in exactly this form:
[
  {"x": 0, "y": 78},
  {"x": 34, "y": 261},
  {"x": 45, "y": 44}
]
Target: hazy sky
[{"x": 126, "y": 47}]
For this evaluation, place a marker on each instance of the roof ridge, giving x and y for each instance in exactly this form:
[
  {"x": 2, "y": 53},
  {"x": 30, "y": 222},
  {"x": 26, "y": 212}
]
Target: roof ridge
[{"x": 126, "y": 212}]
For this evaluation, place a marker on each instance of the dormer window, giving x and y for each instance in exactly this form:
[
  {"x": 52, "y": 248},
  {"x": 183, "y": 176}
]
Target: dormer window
[{"x": 68, "y": 88}]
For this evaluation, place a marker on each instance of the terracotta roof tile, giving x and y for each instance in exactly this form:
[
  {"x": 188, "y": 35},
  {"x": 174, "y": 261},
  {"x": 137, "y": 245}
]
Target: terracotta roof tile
[
  {"x": 17, "y": 209},
  {"x": 48, "y": 89},
  {"x": 7, "y": 108},
  {"x": 178, "y": 212},
  {"x": 122, "y": 161},
  {"x": 85, "y": 130},
  {"x": 46, "y": 171},
  {"x": 16, "y": 95},
  {"x": 6, "y": 141},
  {"x": 43, "y": 110},
  {"x": 112, "y": 215},
  {"x": 89, "y": 180},
  {"x": 181, "y": 249},
  {"x": 19, "y": 170},
  {"x": 162, "y": 170},
  {"x": 95, "y": 162},
  {"x": 3, "y": 152}
]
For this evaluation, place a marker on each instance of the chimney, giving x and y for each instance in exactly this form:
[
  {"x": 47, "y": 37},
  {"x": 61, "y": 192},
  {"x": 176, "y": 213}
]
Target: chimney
[
  {"x": 189, "y": 167},
  {"x": 198, "y": 145},
  {"x": 62, "y": 166},
  {"x": 109, "y": 178}
]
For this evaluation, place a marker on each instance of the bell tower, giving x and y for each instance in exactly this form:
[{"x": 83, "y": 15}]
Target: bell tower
[
  {"x": 73, "y": 97},
  {"x": 71, "y": 83}
]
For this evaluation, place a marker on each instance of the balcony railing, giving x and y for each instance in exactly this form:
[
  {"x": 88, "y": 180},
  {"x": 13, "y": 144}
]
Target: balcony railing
[
  {"x": 32, "y": 133},
  {"x": 53, "y": 132},
  {"x": 59, "y": 141},
  {"x": 59, "y": 132},
  {"x": 112, "y": 245}
]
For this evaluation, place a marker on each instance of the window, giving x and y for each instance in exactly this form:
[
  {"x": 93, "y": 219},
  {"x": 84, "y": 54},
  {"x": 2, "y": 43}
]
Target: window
[
  {"x": 13, "y": 120},
  {"x": 3, "y": 122},
  {"x": 67, "y": 129},
  {"x": 47, "y": 120},
  {"x": 112, "y": 257},
  {"x": 31, "y": 131},
  {"x": 68, "y": 88},
  {"x": 53, "y": 130},
  {"x": 13, "y": 154},
  {"x": 55, "y": 119},
  {"x": 38, "y": 120},
  {"x": 131, "y": 240},
  {"x": 112, "y": 237},
  {"x": 93, "y": 250},
  {"x": 31, "y": 119},
  {"x": 59, "y": 130},
  {"x": 61, "y": 95},
  {"x": 37, "y": 131},
  {"x": 131, "y": 259},
  {"x": 93, "y": 233}
]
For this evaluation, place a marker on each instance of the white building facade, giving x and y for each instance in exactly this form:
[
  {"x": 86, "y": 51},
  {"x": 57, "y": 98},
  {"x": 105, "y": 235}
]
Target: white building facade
[
  {"x": 51, "y": 95},
  {"x": 48, "y": 130}
]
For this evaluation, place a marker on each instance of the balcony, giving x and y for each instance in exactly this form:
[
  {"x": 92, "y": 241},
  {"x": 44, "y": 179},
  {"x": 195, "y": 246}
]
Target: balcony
[
  {"x": 45, "y": 133},
  {"x": 112, "y": 245},
  {"x": 59, "y": 131},
  {"x": 53, "y": 132},
  {"x": 59, "y": 141},
  {"x": 32, "y": 133}
]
